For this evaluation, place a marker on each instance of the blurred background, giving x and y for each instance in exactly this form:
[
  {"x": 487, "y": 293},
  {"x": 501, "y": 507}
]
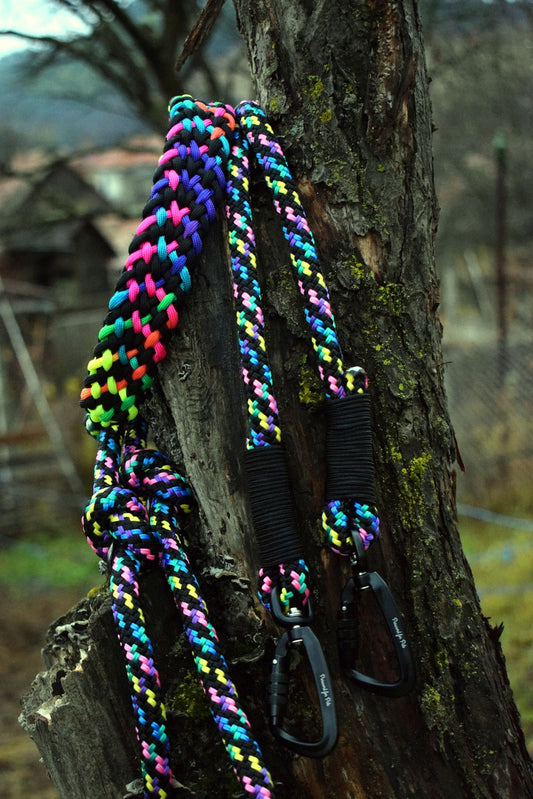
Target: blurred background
[{"x": 84, "y": 89}]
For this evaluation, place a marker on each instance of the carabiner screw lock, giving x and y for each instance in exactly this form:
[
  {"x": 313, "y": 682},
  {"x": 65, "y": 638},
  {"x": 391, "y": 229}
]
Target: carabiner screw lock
[{"x": 279, "y": 692}]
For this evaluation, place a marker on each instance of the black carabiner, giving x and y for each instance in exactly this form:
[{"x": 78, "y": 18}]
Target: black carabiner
[
  {"x": 279, "y": 692},
  {"x": 347, "y": 634}
]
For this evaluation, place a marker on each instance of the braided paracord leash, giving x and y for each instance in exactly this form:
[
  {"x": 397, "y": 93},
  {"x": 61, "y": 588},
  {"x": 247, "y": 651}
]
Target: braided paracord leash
[
  {"x": 346, "y": 390},
  {"x": 188, "y": 185},
  {"x": 134, "y": 519},
  {"x": 284, "y": 574},
  {"x": 349, "y": 518}
]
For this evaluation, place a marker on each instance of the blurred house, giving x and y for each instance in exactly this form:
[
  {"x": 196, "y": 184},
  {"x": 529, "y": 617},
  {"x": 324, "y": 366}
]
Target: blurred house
[
  {"x": 54, "y": 261},
  {"x": 54, "y": 285},
  {"x": 49, "y": 237}
]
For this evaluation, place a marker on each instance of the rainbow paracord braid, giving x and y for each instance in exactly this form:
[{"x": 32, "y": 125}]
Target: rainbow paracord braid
[
  {"x": 205, "y": 157},
  {"x": 135, "y": 514},
  {"x": 134, "y": 517},
  {"x": 341, "y": 516},
  {"x": 188, "y": 185}
]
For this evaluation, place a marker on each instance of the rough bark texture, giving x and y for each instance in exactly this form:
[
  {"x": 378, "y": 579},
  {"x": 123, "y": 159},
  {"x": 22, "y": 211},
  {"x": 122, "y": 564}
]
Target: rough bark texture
[{"x": 345, "y": 85}]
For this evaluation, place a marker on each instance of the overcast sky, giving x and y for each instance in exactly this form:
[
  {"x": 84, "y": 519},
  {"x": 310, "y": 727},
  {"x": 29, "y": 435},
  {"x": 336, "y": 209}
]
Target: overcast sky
[{"x": 32, "y": 16}]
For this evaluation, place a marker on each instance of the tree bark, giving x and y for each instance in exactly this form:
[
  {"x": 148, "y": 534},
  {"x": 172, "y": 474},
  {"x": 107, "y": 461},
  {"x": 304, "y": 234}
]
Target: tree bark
[{"x": 346, "y": 88}]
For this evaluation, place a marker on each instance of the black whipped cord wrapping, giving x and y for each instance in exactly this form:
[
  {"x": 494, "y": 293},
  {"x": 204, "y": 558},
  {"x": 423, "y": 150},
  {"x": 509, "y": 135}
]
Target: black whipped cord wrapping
[
  {"x": 272, "y": 506},
  {"x": 349, "y": 431}
]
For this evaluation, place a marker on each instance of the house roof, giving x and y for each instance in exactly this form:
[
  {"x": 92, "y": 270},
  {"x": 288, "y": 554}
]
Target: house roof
[
  {"x": 57, "y": 237},
  {"x": 45, "y": 204},
  {"x": 54, "y": 194}
]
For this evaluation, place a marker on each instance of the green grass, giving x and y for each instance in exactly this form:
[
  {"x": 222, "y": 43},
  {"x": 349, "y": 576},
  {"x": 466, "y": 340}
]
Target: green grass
[
  {"x": 45, "y": 562},
  {"x": 502, "y": 563}
]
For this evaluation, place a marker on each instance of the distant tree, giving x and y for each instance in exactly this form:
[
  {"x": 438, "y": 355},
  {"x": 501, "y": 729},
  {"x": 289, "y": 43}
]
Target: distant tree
[
  {"x": 133, "y": 48},
  {"x": 480, "y": 59}
]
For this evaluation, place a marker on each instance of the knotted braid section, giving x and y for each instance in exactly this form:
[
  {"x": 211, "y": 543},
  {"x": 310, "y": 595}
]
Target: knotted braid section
[
  {"x": 116, "y": 525},
  {"x": 164, "y": 493},
  {"x": 134, "y": 517},
  {"x": 189, "y": 184}
]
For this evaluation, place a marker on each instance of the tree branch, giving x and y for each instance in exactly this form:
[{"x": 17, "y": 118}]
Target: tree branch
[
  {"x": 201, "y": 31},
  {"x": 30, "y": 37},
  {"x": 134, "y": 31}
]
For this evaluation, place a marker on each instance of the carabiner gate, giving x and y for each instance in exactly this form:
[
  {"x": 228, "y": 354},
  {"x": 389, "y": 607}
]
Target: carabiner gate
[
  {"x": 279, "y": 692},
  {"x": 347, "y": 632}
]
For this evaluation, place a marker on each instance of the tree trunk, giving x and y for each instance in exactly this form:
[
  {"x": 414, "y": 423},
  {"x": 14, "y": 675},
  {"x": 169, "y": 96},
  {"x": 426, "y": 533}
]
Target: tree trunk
[{"x": 345, "y": 85}]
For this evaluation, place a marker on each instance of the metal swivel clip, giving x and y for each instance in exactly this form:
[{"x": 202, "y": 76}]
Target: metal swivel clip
[
  {"x": 347, "y": 628},
  {"x": 299, "y": 634}
]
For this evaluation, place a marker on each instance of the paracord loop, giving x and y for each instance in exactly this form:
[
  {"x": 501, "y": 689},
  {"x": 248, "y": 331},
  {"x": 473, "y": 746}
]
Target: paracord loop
[
  {"x": 142, "y": 522},
  {"x": 139, "y": 501},
  {"x": 291, "y": 581},
  {"x": 189, "y": 182}
]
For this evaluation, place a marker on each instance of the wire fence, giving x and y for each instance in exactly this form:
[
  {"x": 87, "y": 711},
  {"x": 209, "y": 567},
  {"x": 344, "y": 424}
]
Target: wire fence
[{"x": 490, "y": 399}]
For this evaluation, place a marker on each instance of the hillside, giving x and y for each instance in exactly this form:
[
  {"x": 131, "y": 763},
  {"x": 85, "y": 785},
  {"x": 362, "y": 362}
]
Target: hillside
[
  {"x": 68, "y": 105},
  {"x": 65, "y": 107}
]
